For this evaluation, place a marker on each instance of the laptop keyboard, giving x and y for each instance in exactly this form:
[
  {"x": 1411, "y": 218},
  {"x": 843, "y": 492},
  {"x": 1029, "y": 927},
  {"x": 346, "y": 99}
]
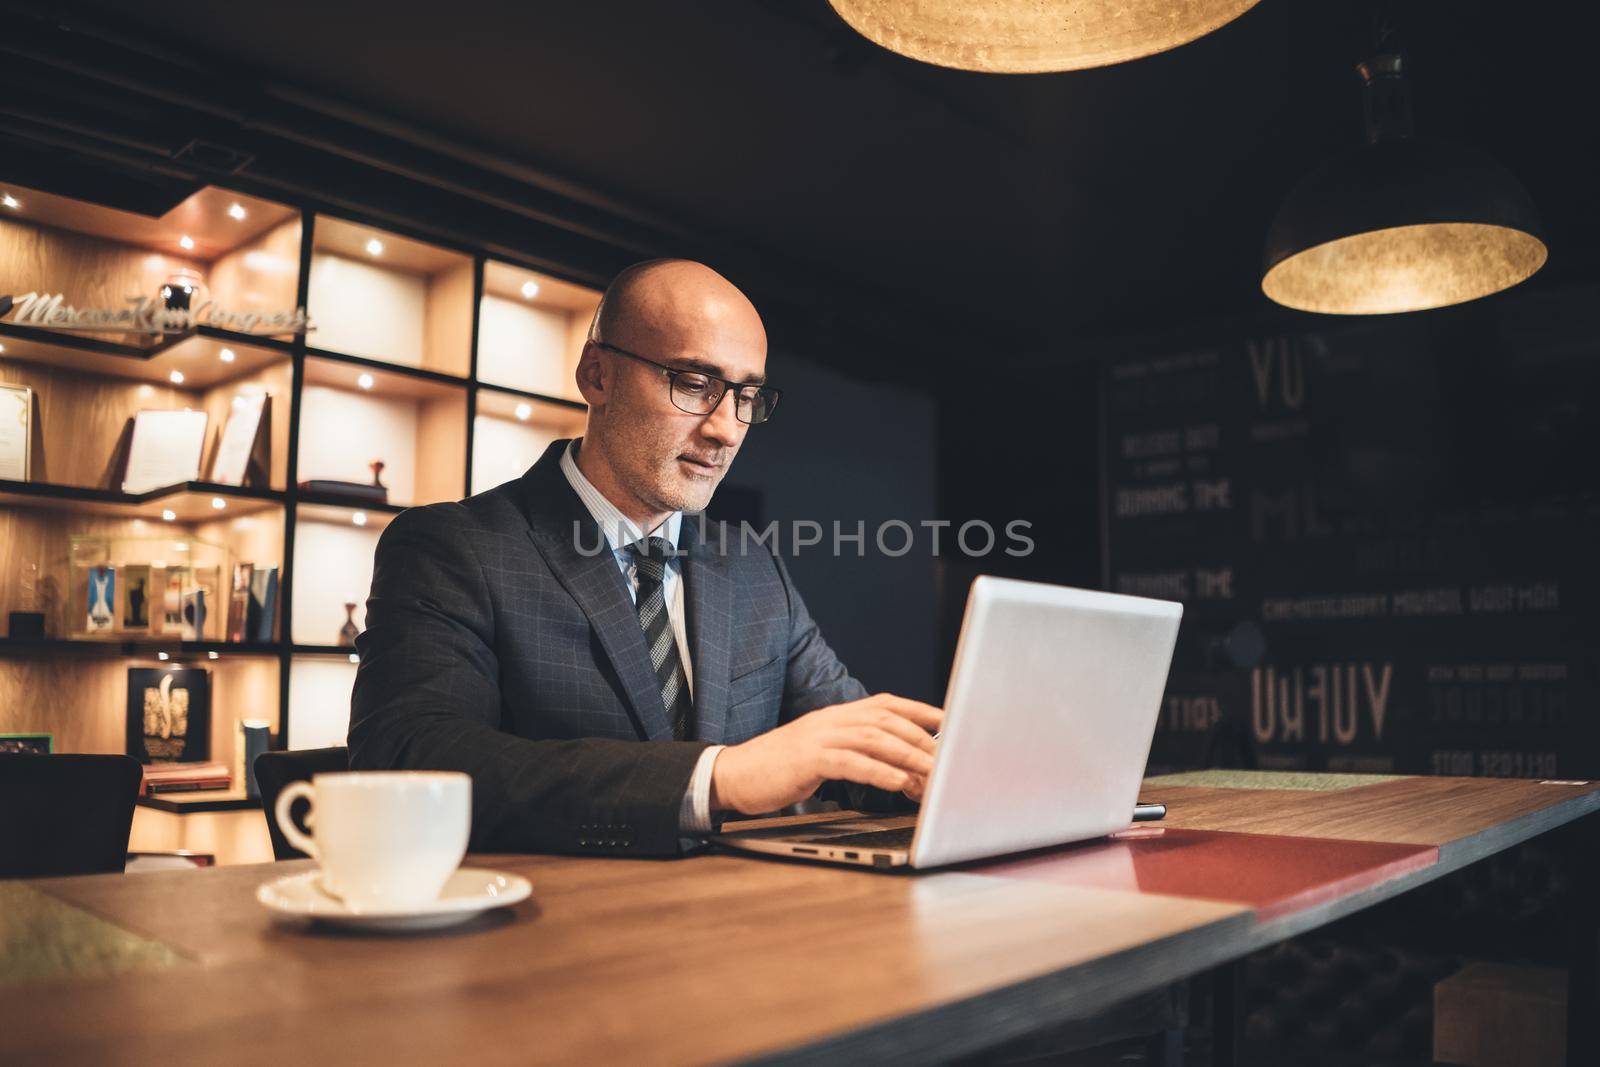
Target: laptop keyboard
[{"x": 900, "y": 838}]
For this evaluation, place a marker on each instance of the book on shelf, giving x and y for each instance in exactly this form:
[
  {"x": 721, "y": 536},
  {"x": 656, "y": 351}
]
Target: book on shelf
[
  {"x": 362, "y": 491},
  {"x": 184, "y": 777},
  {"x": 239, "y": 603},
  {"x": 262, "y": 604}
]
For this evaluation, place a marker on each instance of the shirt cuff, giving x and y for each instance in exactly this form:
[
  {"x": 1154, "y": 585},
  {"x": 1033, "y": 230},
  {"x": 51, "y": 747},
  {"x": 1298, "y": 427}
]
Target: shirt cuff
[{"x": 694, "y": 814}]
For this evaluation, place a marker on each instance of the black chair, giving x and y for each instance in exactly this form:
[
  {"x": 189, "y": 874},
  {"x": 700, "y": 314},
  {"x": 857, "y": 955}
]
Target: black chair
[
  {"x": 274, "y": 770},
  {"x": 65, "y": 814}
]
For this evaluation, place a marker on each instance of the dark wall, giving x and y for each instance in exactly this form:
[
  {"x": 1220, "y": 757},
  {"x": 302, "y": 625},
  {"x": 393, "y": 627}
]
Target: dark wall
[
  {"x": 841, "y": 450},
  {"x": 1384, "y": 532},
  {"x": 1020, "y": 446}
]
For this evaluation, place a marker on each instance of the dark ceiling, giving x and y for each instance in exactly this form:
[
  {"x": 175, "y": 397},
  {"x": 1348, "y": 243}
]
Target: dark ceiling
[{"x": 1039, "y": 209}]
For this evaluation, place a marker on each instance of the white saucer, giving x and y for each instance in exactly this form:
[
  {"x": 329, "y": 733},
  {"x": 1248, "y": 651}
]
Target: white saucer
[{"x": 467, "y": 893}]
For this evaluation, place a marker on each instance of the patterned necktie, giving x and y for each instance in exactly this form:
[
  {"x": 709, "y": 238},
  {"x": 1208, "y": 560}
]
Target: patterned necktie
[{"x": 658, "y": 636}]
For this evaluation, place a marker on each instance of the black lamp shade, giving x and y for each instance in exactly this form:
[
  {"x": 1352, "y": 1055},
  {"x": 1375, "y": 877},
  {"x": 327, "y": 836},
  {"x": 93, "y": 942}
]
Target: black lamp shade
[{"x": 1401, "y": 225}]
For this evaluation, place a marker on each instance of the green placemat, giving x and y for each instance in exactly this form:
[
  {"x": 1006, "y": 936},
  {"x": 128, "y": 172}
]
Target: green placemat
[
  {"x": 42, "y": 937},
  {"x": 1306, "y": 780}
]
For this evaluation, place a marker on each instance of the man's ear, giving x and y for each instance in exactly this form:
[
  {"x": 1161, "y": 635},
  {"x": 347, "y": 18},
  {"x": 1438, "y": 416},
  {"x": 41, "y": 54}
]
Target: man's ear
[{"x": 594, "y": 379}]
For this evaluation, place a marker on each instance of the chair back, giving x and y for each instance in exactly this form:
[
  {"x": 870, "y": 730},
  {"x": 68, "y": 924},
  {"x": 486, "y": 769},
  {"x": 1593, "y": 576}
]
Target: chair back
[
  {"x": 274, "y": 770},
  {"x": 65, "y": 814}
]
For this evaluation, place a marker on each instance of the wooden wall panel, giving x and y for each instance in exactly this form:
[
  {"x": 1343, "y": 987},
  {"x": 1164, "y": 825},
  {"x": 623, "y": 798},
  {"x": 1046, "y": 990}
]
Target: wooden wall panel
[
  {"x": 447, "y": 321},
  {"x": 91, "y": 271},
  {"x": 80, "y": 701},
  {"x": 441, "y": 449},
  {"x": 82, "y": 416},
  {"x": 262, "y": 275},
  {"x": 231, "y": 836}
]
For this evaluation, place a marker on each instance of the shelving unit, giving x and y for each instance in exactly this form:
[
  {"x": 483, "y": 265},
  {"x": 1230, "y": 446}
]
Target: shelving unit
[{"x": 453, "y": 370}]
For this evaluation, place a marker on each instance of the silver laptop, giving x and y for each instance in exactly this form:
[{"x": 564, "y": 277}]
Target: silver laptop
[{"x": 1049, "y": 716}]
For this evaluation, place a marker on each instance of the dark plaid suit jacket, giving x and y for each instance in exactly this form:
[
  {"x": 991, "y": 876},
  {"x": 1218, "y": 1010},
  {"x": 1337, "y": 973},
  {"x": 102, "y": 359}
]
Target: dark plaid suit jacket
[{"x": 495, "y": 646}]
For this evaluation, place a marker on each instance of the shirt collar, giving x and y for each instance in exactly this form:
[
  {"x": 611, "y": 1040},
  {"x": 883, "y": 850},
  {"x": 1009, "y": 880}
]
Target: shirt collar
[{"x": 619, "y": 530}]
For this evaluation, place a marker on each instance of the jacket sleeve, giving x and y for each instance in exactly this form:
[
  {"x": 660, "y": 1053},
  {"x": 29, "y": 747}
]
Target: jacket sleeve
[{"x": 427, "y": 697}]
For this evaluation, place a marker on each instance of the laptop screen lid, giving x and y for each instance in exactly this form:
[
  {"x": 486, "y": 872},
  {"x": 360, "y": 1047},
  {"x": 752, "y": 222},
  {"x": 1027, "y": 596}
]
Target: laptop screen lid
[{"x": 1049, "y": 717}]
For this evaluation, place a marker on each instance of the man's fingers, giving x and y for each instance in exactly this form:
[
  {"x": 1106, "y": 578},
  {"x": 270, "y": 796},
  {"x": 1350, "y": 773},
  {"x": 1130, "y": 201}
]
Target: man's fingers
[
  {"x": 884, "y": 746},
  {"x": 847, "y": 765},
  {"x": 924, "y": 715},
  {"x": 904, "y": 729}
]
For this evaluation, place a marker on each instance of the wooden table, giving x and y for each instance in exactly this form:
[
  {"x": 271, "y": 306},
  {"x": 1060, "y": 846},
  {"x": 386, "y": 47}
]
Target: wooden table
[{"x": 719, "y": 957}]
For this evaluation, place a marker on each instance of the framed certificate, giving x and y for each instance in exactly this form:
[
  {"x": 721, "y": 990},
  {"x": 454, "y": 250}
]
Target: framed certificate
[
  {"x": 165, "y": 450},
  {"x": 16, "y": 431}
]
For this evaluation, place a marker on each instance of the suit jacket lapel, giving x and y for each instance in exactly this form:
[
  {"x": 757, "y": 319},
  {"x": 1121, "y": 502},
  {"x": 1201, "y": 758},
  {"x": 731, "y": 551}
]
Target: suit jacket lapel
[
  {"x": 708, "y": 598},
  {"x": 559, "y": 523}
]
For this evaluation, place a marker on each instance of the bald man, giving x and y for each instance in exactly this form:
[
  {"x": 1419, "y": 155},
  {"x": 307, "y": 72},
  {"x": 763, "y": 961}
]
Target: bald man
[{"x": 616, "y": 673}]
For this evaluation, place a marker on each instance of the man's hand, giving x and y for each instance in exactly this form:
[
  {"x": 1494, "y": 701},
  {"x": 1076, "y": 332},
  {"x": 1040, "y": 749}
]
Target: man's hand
[{"x": 882, "y": 740}]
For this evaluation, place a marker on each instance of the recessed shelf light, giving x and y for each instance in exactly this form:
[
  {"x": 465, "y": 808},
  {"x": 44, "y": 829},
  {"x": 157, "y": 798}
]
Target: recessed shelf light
[
  {"x": 354, "y": 658},
  {"x": 176, "y": 377},
  {"x": 524, "y": 410},
  {"x": 530, "y": 290},
  {"x": 169, "y": 515},
  {"x": 211, "y": 655},
  {"x": 359, "y": 518},
  {"x": 374, "y": 247},
  {"x": 226, "y": 355},
  {"x": 236, "y": 211},
  {"x": 186, "y": 242},
  {"x": 162, "y": 656},
  {"x": 146, "y": 391},
  {"x": 10, "y": 201},
  {"x": 179, "y": 546},
  {"x": 2, "y": 348},
  {"x": 365, "y": 381},
  {"x": 218, "y": 503}
]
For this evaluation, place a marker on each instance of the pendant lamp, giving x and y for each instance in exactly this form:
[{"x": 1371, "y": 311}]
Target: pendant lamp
[
  {"x": 1400, "y": 224},
  {"x": 1034, "y": 36}
]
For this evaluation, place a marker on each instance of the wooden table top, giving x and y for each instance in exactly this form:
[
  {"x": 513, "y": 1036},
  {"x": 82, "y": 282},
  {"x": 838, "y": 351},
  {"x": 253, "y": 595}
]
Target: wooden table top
[{"x": 720, "y": 957}]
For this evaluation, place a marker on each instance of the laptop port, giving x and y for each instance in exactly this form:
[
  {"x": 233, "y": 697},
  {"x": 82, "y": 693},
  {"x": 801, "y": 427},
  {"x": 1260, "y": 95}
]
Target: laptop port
[
  {"x": 805, "y": 851},
  {"x": 852, "y": 855}
]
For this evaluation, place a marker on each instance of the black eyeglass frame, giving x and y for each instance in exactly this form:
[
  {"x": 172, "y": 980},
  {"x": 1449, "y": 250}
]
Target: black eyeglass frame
[{"x": 672, "y": 381}]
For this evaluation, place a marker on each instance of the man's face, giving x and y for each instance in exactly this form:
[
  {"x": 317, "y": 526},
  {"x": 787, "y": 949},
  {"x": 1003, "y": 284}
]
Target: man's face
[{"x": 670, "y": 459}]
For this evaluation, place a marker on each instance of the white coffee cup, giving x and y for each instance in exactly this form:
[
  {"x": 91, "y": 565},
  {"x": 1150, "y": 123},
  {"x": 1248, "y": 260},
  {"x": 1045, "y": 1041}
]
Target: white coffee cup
[{"x": 384, "y": 839}]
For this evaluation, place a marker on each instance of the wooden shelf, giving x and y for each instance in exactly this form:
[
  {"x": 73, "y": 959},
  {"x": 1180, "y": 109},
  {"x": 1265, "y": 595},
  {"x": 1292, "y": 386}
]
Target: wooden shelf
[
  {"x": 188, "y": 501},
  {"x": 196, "y": 354},
  {"x": 485, "y": 392},
  {"x": 391, "y": 298},
  {"x": 205, "y": 218},
  {"x": 394, "y": 379},
  {"x": 130, "y": 645},
  {"x": 328, "y": 507},
  {"x": 201, "y": 800},
  {"x": 532, "y": 328},
  {"x": 343, "y": 651},
  {"x": 388, "y": 371}
]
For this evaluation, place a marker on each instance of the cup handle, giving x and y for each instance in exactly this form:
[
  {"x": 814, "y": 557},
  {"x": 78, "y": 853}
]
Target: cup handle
[{"x": 286, "y": 823}]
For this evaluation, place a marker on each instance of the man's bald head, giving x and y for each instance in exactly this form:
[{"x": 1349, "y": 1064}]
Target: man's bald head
[
  {"x": 648, "y": 455},
  {"x": 675, "y": 302}
]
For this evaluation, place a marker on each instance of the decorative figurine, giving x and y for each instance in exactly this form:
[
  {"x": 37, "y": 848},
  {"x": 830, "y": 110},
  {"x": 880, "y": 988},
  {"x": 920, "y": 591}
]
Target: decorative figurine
[
  {"x": 102, "y": 592},
  {"x": 348, "y": 632},
  {"x": 377, "y": 466},
  {"x": 178, "y": 294}
]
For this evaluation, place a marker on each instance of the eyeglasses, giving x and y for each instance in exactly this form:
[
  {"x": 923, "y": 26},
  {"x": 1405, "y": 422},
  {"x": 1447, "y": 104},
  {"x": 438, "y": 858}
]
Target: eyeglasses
[{"x": 699, "y": 393}]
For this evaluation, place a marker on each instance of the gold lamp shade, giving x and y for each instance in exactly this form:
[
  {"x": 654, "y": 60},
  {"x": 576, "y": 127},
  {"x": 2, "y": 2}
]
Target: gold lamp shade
[
  {"x": 1034, "y": 36},
  {"x": 1405, "y": 268},
  {"x": 1400, "y": 224}
]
